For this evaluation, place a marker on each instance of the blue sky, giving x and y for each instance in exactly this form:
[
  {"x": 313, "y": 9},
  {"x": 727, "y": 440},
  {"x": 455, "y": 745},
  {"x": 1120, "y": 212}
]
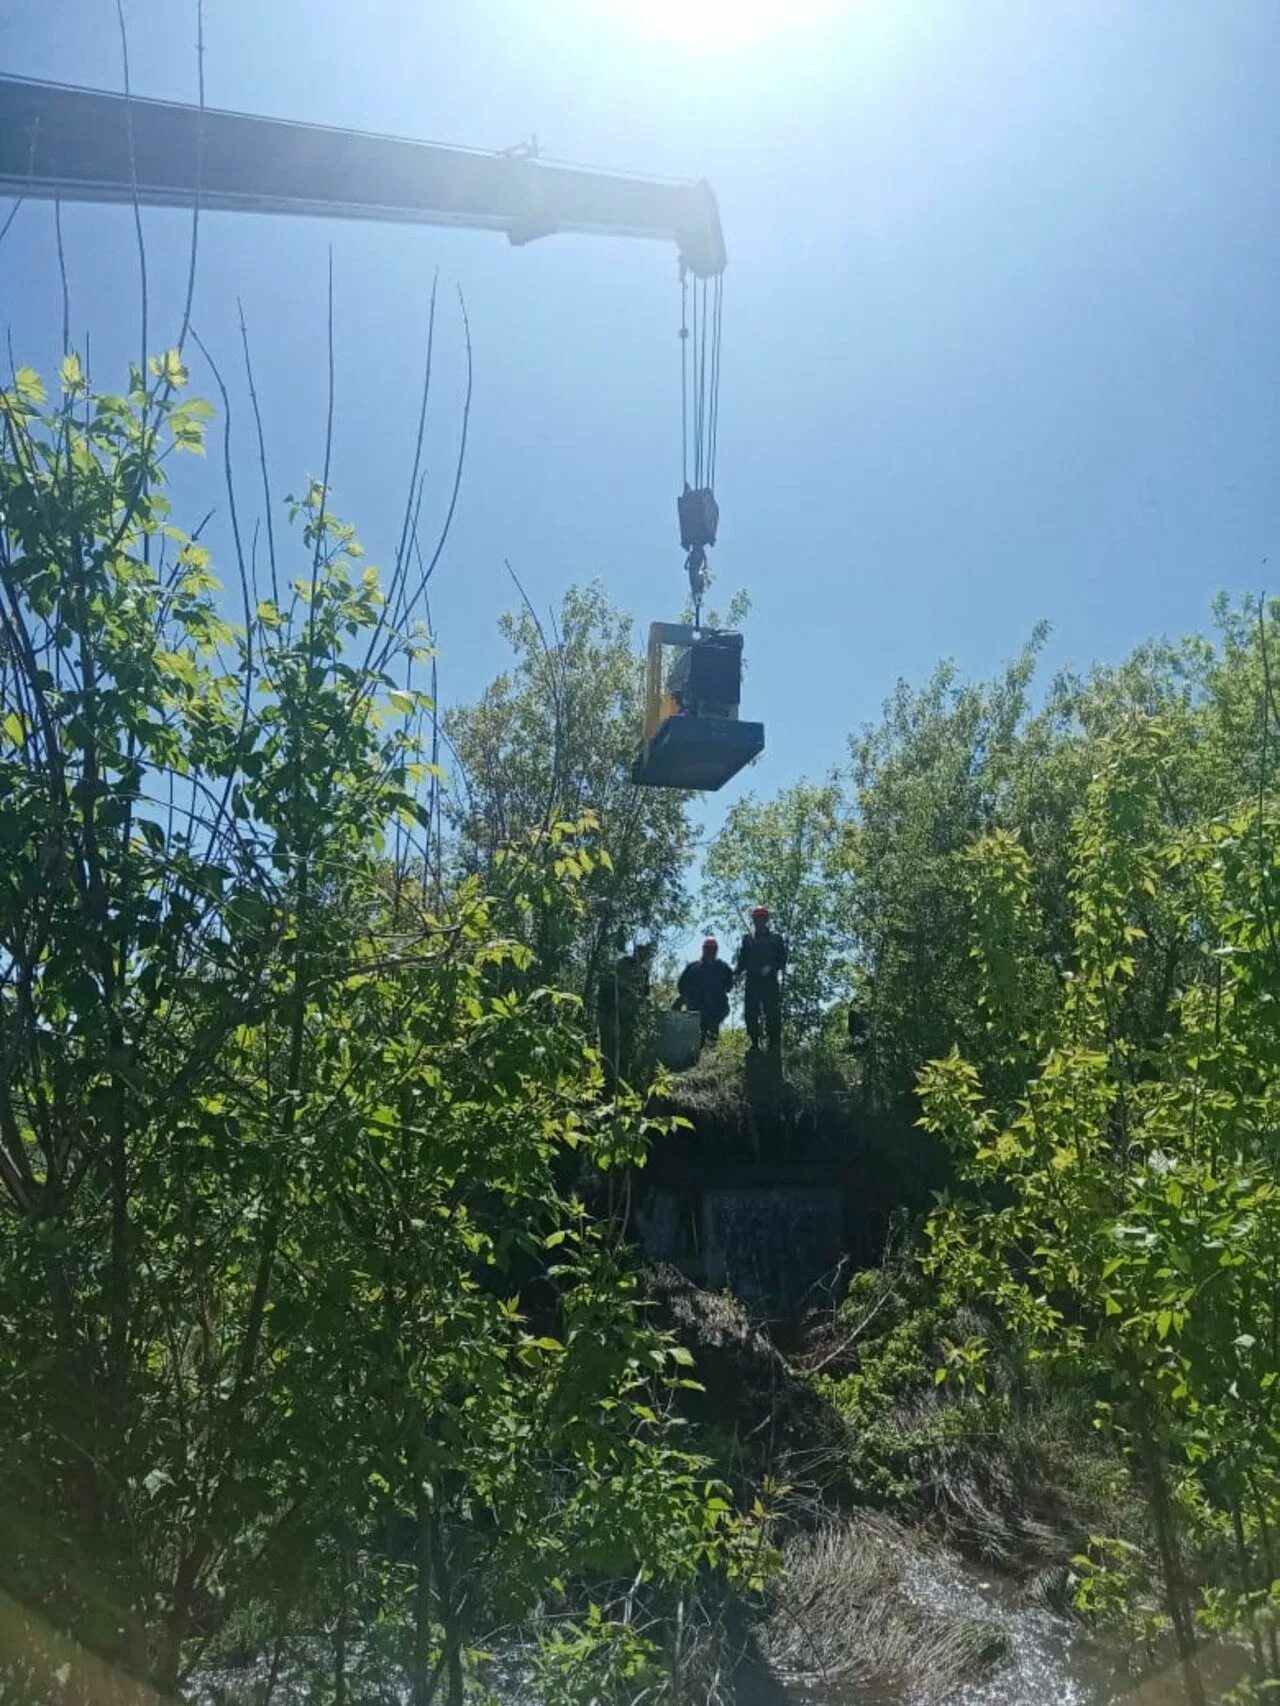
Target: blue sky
[{"x": 1001, "y": 334}]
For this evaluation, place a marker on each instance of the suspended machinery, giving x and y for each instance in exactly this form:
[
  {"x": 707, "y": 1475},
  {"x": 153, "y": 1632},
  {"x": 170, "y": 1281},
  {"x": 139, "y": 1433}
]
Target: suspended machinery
[{"x": 70, "y": 144}]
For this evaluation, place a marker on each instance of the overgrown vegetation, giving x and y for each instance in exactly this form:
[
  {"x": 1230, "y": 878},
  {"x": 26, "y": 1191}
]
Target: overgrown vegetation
[
  {"x": 1064, "y": 937},
  {"x": 552, "y": 738},
  {"x": 308, "y": 1359},
  {"x": 1056, "y": 914},
  {"x": 1132, "y": 1235},
  {"x": 315, "y": 1370},
  {"x": 948, "y": 1425}
]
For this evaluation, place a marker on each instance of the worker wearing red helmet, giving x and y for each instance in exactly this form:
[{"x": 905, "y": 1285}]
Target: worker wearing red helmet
[
  {"x": 761, "y": 961},
  {"x": 704, "y": 989}
]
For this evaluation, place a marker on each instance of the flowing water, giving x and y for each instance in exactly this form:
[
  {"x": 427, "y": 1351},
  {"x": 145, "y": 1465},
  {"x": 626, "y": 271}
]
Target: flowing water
[{"x": 1049, "y": 1659}]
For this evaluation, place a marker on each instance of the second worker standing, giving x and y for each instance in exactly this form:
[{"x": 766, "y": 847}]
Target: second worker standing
[{"x": 760, "y": 963}]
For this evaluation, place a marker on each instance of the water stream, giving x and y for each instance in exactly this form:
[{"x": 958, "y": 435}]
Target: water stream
[{"x": 1050, "y": 1660}]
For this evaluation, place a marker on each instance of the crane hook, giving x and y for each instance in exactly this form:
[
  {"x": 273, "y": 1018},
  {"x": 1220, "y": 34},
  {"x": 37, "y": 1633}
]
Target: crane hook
[{"x": 696, "y": 568}]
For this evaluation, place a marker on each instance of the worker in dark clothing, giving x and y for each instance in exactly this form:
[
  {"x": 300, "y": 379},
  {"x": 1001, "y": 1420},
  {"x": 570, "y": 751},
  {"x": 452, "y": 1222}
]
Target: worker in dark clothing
[
  {"x": 761, "y": 961},
  {"x": 704, "y": 989}
]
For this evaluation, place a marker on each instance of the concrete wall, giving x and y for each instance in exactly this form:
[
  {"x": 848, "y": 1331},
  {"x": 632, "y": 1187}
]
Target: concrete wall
[{"x": 766, "y": 1239}]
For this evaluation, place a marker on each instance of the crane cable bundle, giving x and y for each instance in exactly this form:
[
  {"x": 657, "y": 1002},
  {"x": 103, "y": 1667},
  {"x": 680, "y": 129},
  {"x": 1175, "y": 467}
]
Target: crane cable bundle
[{"x": 700, "y": 410}]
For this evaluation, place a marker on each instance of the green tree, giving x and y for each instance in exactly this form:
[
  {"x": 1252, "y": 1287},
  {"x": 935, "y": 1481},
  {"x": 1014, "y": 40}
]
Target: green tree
[
  {"x": 933, "y": 775},
  {"x": 784, "y": 854},
  {"x": 286, "y": 1267},
  {"x": 1123, "y": 1211},
  {"x": 554, "y": 737},
  {"x": 955, "y": 761}
]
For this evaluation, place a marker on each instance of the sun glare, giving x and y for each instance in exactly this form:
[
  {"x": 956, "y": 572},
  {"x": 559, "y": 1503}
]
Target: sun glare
[{"x": 731, "y": 23}]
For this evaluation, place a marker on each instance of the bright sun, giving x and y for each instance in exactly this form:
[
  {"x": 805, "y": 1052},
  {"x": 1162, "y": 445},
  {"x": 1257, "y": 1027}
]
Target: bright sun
[{"x": 729, "y": 22}]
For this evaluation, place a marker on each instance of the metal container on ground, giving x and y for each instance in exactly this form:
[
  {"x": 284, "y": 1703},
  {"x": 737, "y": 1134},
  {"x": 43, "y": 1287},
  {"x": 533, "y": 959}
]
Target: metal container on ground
[{"x": 679, "y": 1040}]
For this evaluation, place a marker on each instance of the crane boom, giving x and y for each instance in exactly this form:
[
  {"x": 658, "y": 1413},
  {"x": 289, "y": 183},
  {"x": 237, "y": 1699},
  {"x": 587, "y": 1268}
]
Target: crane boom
[{"x": 86, "y": 145}]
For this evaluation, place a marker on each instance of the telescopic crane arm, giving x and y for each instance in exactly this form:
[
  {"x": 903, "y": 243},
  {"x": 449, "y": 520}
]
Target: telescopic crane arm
[
  {"x": 85, "y": 145},
  {"x": 61, "y": 143}
]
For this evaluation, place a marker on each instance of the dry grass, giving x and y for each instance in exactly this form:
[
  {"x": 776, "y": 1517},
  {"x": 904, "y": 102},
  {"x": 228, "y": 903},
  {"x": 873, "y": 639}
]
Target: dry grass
[{"x": 843, "y": 1614}]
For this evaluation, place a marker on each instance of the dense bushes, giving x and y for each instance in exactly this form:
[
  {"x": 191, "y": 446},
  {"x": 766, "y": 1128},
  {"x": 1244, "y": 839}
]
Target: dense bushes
[{"x": 306, "y": 1357}]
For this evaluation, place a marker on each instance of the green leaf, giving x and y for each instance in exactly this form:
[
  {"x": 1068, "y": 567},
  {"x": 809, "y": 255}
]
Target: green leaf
[
  {"x": 168, "y": 367},
  {"x": 29, "y": 385},
  {"x": 178, "y": 666}
]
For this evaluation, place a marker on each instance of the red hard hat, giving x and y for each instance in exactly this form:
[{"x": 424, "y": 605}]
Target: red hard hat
[
  {"x": 711, "y": 946},
  {"x": 759, "y": 912}
]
